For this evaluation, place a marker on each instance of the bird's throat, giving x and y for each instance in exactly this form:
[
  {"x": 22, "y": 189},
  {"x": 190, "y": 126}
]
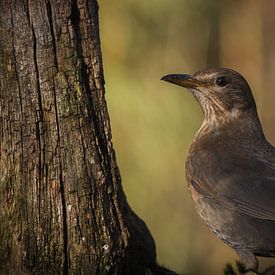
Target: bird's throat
[{"x": 236, "y": 123}]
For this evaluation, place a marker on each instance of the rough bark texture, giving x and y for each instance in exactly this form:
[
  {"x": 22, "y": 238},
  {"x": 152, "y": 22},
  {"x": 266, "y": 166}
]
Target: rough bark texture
[{"x": 62, "y": 208}]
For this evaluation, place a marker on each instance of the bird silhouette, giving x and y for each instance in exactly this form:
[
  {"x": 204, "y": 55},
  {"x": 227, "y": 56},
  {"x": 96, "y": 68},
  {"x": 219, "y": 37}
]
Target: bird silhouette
[{"x": 230, "y": 168}]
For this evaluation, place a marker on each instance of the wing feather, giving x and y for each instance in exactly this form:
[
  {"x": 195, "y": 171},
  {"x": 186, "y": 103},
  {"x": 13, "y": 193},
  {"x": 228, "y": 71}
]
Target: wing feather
[{"x": 247, "y": 187}]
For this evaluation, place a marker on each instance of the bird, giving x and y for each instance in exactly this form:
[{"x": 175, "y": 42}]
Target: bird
[{"x": 230, "y": 167}]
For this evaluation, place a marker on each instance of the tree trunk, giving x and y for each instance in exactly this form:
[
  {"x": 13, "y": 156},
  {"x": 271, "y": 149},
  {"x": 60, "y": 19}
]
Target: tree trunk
[{"x": 62, "y": 208}]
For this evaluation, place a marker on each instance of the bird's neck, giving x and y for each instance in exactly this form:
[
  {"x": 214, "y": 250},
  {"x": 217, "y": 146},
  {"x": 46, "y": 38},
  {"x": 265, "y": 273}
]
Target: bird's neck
[{"x": 236, "y": 124}]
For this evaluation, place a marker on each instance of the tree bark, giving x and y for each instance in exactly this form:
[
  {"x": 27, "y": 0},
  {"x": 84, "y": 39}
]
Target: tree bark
[{"x": 62, "y": 208}]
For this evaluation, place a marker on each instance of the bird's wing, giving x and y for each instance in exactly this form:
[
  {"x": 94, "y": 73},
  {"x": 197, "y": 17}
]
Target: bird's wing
[{"x": 248, "y": 187}]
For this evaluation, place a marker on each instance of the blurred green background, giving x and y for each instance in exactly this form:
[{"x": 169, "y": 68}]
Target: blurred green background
[{"x": 153, "y": 123}]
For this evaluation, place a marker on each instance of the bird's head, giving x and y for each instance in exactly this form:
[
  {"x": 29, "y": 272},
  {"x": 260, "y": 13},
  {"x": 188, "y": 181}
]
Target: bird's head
[{"x": 223, "y": 93}]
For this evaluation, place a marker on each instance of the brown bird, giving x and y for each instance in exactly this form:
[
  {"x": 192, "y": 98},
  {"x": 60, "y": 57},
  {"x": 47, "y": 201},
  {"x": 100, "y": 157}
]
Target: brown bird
[{"x": 230, "y": 168}]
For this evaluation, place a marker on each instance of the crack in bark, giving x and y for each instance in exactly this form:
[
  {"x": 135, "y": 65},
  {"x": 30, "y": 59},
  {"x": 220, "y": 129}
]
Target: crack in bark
[
  {"x": 38, "y": 122},
  {"x": 50, "y": 17},
  {"x": 62, "y": 184},
  {"x": 65, "y": 226}
]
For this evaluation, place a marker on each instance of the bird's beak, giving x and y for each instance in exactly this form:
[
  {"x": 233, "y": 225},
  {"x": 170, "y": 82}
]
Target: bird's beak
[{"x": 184, "y": 80}]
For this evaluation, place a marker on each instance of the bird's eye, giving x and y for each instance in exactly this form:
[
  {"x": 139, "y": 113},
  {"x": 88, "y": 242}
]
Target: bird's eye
[{"x": 221, "y": 81}]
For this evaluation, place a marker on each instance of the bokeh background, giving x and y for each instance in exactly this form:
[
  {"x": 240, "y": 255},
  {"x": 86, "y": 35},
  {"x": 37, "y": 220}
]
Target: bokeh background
[{"x": 153, "y": 123}]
